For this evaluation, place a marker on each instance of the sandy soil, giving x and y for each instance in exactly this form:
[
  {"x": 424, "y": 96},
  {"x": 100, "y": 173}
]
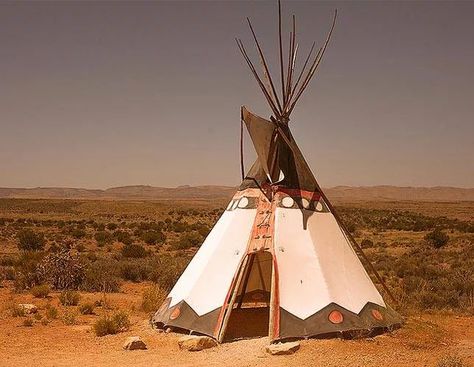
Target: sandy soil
[{"x": 421, "y": 342}]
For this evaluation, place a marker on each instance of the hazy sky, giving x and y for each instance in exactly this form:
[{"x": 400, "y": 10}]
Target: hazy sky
[{"x": 107, "y": 94}]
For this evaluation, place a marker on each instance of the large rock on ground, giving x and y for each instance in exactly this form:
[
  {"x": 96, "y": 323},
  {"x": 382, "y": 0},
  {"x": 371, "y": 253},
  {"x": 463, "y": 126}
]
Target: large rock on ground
[
  {"x": 134, "y": 343},
  {"x": 195, "y": 343},
  {"x": 283, "y": 348},
  {"x": 28, "y": 308}
]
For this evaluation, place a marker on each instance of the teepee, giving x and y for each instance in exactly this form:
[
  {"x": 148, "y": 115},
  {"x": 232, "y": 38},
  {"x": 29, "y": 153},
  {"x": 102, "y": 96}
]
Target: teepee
[{"x": 279, "y": 261}]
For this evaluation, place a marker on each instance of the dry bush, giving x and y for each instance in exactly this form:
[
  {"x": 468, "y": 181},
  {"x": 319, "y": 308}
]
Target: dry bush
[
  {"x": 101, "y": 276},
  {"x": 62, "y": 270},
  {"x": 29, "y": 240},
  {"x": 17, "y": 310},
  {"x": 108, "y": 325},
  {"x": 437, "y": 238},
  {"x": 87, "y": 308},
  {"x": 134, "y": 251},
  {"x": 450, "y": 360},
  {"x": 152, "y": 298},
  {"x": 40, "y": 291},
  {"x": 28, "y": 322},
  {"x": 69, "y": 298},
  {"x": 69, "y": 317},
  {"x": 51, "y": 312}
]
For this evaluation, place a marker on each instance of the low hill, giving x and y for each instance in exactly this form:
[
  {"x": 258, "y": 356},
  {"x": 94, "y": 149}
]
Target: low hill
[{"x": 142, "y": 192}]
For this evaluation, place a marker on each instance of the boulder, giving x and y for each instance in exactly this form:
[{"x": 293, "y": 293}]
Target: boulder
[
  {"x": 283, "y": 348},
  {"x": 134, "y": 343},
  {"x": 195, "y": 343},
  {"x": 28, "y": 308}
]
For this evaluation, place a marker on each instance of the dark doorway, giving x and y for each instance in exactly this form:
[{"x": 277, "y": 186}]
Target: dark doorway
[{"x": 251, "y": 310}]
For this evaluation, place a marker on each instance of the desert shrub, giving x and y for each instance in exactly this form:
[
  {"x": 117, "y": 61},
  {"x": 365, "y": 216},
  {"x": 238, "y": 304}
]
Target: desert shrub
[
  {"x": 26, "y": 275},
  {"x": 54, "y": 247},
  {"x": 7, "y": 261},
  {"x": 17, "y": 311},
  {"x": 134, "y": 251},
  {"x": 112, "y": 226},
  {"x": 152, "y": 298},
  {"x": 69, "y": 298},
  {"x": 28, "y": 322},
  {"x": 69, "y": 317},
  {"x": 153, "y": 237},
  {"x": 78, "y": 233},
  {"x": 103, "y": 238},
  {"x": 134, "y": 270},
  {"x": 178, "y": 226},
  {"x": 62, "y": 270},
  {"x": 51, "y": 312},
  {"x": 166, "y": 270},
  {"x": 108, "y": 325},
  {"x": 80, "y": 247},
  {"x": 37, "y": 316},
  {"x": 200, "y": 228},
  {"x": 122, "y": 320},
  {"x": 101, "y": 276},
  {"x": 188, "y": 240},
  {"x": 40, "y": 291},
  {"x": 437, "y": 238},
  {"x": 7, "y": 273},
  {"x": 366, "y": 243},
  {"x": 450, "y": 360},
  {"x": 124, "y": 237},
  {"x": 28, "y": 240},
  {"x": 87, "y": 308}
]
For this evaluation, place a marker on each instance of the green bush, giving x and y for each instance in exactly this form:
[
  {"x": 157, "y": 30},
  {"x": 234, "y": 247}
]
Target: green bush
[
  {"x": 103, "y": 238},
  {"x": 26, "y": 275},
  {"x": 41, "y": 291},
  {"x": 134, "y": 251},
  {"x": 69, "y": 318},
  {"x": 153, "y": 237},
  {"x": 51, "y": 312},
  {"x": 188, "y": 240},
  {"x": 366, "y": 243},
  {"x": 28, "y": 322},
  {"x": 78, "y": 233},
  {"x": 152, "y": 298},
  {"x": 437, "y": 238},
  {"x": 101, "y": 276},
  {"x": 112, "y": 226},
  {"x": 107, "y": 325},
  {"x": 134, "y": 270},
  {"x": 87, "y": 308},
  {"x": 69, "y": 298},
  {"x": 28, "y": 240},
  {"x": 124, "y": 237}
]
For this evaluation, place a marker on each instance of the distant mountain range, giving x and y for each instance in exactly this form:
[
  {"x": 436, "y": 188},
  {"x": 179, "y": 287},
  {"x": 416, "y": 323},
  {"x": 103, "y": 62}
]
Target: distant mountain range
[{"x": 140, "y": 192}]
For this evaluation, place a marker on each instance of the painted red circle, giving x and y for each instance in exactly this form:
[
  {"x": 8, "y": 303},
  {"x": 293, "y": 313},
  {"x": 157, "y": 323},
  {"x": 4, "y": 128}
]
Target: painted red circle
[
  {"x": 336, "y": 317},
  {"x": 377, "y": 315},
  {"x": 175, "y": 314}
]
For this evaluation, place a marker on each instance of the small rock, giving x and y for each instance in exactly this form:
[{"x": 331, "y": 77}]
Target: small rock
[
  {"x": 134, "y": 343},
  {"x": 168, "y": 330},
  {"x": 195, "y": 343},
  {"x": 28, "y": 308},
  {"x": 282, "y": 348}
]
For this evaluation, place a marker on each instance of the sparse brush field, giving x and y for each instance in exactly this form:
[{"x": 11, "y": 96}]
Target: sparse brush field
[{"x": 96, "y": 269}]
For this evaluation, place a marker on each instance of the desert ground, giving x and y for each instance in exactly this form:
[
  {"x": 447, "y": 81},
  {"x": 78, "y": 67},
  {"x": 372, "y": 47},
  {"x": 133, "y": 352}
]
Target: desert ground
[{"x": 131, "y": 252}]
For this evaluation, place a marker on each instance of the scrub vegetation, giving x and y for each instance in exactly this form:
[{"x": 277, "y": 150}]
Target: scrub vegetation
[{"x": 106, "y": 266}]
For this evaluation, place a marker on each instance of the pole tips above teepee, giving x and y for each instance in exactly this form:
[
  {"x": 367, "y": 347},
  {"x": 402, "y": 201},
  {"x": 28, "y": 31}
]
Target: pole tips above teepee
[{"x": 283, "y": 102}]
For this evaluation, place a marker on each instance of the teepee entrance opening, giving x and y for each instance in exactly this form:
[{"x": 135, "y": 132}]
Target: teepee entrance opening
[{"x": 250, "y": 312}]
